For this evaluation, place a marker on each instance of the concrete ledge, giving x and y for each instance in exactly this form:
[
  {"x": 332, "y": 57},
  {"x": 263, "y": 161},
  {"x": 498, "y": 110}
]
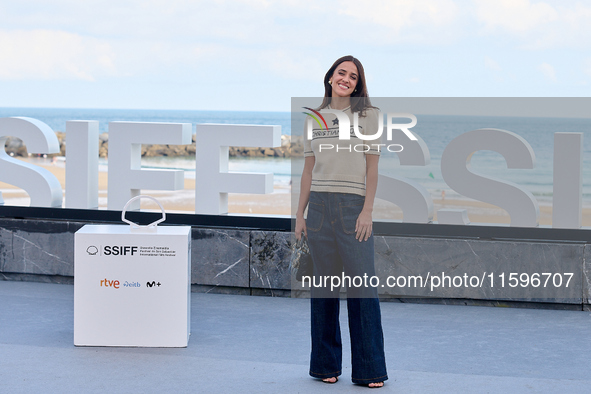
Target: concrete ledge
[
  {"x": 58, "y": 279},
  {"x": 488, "y": 261}
]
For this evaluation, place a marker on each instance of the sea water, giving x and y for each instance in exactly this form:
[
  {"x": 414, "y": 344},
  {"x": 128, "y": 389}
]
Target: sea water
[{"x": 438, "y": 131}]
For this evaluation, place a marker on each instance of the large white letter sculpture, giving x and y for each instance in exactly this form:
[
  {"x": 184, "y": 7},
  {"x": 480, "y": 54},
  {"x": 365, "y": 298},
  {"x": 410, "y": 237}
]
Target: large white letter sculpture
[
  {"x": 126, "y": 177},
  {"x": 213, "y": 182},
  {"x": 41, "y": 185},
  {"x": 567, "y": 195},
  {"x": 409, "y": 195},
  {"x": 455, "y": 168},
  {"x": 82, "y": 152}
]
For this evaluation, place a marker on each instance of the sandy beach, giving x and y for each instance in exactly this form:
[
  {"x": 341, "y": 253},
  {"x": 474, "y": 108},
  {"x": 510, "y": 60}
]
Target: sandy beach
[{"x": 277, "y": 203}]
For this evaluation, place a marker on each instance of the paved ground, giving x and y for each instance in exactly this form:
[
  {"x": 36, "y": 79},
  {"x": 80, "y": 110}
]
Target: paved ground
[{"x": 243, "y": 344}]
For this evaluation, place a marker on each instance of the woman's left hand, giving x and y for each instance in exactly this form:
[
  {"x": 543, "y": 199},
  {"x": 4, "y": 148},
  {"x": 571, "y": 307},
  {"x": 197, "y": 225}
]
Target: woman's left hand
[{"x": 363, "y": 226}]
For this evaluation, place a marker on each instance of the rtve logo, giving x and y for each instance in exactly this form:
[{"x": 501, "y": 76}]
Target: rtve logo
[{"x": 110, "y": 283}]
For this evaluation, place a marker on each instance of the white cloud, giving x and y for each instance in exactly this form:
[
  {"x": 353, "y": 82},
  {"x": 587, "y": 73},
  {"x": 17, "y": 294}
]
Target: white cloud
[
  {"x": 548, "y": 71},
  {"x": 399, "y": 14},
  {"x": 287, "y": 22},
  {"x": 514, "y": 15},
  {"x": 537, "y": 24},
  {"x": 404, "y": 20},
  {"x": 288, "y": 45},
  {"x": 293, "y": 66},
  {"x": 55, "y": 54},
  {"x": 491, "y": 64},
  {"x": 174, "y": 39},
  {"x": 50, "y": 54}
]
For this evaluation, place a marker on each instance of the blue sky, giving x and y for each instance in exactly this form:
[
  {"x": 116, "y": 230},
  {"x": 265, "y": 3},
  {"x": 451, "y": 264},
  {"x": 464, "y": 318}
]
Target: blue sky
[{"x": 257, "y": 54}]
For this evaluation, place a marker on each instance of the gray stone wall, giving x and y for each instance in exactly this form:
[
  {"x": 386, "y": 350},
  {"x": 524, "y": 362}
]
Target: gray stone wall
[
  {"x": 483, "y": 269},
  {"x": 37, "y": 247},
  {"x": 246, "y": 261}
]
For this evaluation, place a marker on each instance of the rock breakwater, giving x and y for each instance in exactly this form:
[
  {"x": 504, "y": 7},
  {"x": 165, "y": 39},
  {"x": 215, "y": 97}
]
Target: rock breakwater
[{"x": 289, "y": 148}]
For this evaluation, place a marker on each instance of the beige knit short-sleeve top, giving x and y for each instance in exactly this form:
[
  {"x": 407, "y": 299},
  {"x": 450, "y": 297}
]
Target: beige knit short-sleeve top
[{"x": 340, "y": 164}]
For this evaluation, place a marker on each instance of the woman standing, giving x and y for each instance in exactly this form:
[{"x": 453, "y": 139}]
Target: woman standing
[{"x": 338, "y": 186}]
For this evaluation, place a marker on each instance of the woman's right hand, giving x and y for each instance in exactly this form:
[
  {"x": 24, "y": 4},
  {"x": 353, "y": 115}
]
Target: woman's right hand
[{"x": 300, "y": 227}]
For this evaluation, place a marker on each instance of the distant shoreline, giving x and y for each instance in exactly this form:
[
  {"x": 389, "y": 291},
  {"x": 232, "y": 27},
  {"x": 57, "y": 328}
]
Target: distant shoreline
[{"x": 288, "y": 148}]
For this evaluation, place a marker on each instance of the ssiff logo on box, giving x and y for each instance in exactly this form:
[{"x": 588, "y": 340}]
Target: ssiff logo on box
[
  {"x": 112, "y": 250},
  {"x": 128, "y": 250}
]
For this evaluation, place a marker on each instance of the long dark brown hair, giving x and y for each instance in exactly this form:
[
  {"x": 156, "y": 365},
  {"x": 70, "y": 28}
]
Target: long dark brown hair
[{"x": 360, "y": 98}]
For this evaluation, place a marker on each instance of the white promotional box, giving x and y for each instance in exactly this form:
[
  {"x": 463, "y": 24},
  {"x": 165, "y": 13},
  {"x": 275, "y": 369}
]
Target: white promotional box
[{"x": 132, "y": 285}]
